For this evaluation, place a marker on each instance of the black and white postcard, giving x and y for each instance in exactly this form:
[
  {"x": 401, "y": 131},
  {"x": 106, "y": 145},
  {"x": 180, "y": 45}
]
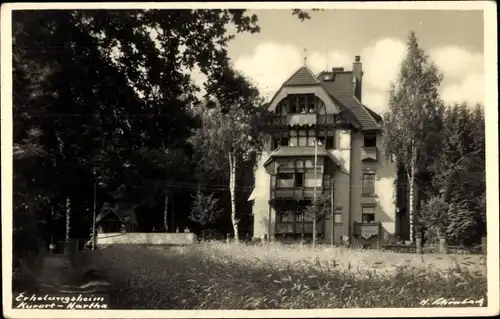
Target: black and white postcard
[{"x": 249, "y": 160}]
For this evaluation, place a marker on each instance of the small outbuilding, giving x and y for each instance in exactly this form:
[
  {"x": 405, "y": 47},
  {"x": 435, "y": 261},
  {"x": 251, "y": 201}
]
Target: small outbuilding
[{"x": 117, "y": 218}]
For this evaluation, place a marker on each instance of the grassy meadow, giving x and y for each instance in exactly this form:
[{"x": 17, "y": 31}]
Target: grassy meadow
[{"x": 214, "y": 275}]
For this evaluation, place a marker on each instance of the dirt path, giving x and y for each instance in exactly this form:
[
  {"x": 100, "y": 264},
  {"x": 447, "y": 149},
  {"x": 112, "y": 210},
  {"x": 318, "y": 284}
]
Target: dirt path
[{"x": 58, "y": 276}]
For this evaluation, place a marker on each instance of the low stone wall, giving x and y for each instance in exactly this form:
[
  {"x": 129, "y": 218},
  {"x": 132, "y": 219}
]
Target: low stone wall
[{"x": 105, "y": 239}]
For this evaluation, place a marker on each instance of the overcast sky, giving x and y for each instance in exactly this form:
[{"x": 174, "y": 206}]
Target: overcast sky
[{"x": 453, "y": 39}]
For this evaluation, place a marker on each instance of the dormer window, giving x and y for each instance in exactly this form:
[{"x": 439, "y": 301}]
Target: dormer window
[{"x": 328, "y": 77}]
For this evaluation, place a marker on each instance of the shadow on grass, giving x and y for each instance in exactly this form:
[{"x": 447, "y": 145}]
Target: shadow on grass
[{"x": 167, "y": 279}]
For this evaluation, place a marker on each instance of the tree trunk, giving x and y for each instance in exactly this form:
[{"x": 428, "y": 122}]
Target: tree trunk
[
  {"x": 232, "y": 189},
  {"x": 411, "y": 207},
  {"x": 68, "y": 223},
  {"x": 173, "y": 211},
  {"x": 412, "y": 200},
  {"x": 165, "y": 213}
]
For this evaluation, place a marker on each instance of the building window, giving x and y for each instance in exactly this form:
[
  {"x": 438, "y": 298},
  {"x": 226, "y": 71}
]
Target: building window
[
  {"x": 311, "y": 140},
  {"x": 302, "y": 104},
  {"x": 370, "y": 140},
  {"x": 284, "y": 141},
  {"x": 274, "y": 142},
  {"x": 299, "y": 180},
  {"x": 327, "y": 139},
  {"x": 293, "y": 104},
  {"x": 368, "y": 214},
  {"x": 286, "y": 216},
  {"x": 368, "y": 184},
  {"x": 293, "y": 139},
  {"x": 285, "y": 180},
  {"x": 302, "y": 138},
  {"x": 311, "y": 102},
  {"x": 338, "y": 218},
  {"x": 310, "y": 180},
  {"x": 330, "y": 142},
  {"x": 327, "y": 182},
  {"x": 302, "y": 216}
]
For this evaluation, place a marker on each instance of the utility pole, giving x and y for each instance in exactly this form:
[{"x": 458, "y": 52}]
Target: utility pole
[
  {"x": 332, "y": 208},
  {"x": 314, "y": 191}
]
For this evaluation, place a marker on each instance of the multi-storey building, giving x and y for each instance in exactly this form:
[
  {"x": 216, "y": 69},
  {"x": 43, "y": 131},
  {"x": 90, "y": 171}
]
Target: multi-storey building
[{"x": 351, "y": 167}]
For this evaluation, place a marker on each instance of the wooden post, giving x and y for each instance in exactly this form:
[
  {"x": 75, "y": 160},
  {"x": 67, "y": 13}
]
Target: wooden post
[
  {"x": 418, "y": 242},
  {"x": 228, "y": 238}
]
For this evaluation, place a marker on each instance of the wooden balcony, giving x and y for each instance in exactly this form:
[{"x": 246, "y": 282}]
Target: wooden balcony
[
  {"x": 299, "y": 119},
  {"x": 296, "y": 192},
  {"x": 369, "y": 153},
  {"x": 367, "y": 230},
  {"x": 302, "y": 119}
]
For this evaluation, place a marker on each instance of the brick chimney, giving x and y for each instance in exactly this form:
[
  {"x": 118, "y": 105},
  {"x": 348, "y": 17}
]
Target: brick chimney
[{"x": 357, "y": 72}]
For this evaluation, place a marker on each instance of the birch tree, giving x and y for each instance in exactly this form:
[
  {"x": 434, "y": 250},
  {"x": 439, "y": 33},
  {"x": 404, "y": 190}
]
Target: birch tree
[
  {"x": 412, "y": 124},
  {"x": 228, "y": 129}
]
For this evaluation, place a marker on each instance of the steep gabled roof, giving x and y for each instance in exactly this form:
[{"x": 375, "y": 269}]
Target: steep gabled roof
[
  {"x": 341, "y": 89},
  {"x": 119, "y": 210},
  {"x": 302, "y": 76},
  {"x": 375, "y": 115}
]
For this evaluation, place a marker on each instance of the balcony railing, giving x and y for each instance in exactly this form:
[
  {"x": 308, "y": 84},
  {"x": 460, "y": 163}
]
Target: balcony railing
[
  {"x": 296, "y": 192},
  {"x": 367, "y": 230},
  {"x": 300, "y": 119},
  {"x": 369, "y": 153},
  {"x": 326, "y": 119}
]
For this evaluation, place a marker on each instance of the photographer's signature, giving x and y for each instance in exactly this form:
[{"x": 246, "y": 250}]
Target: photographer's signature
[{"x": 452, "y": 302}]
